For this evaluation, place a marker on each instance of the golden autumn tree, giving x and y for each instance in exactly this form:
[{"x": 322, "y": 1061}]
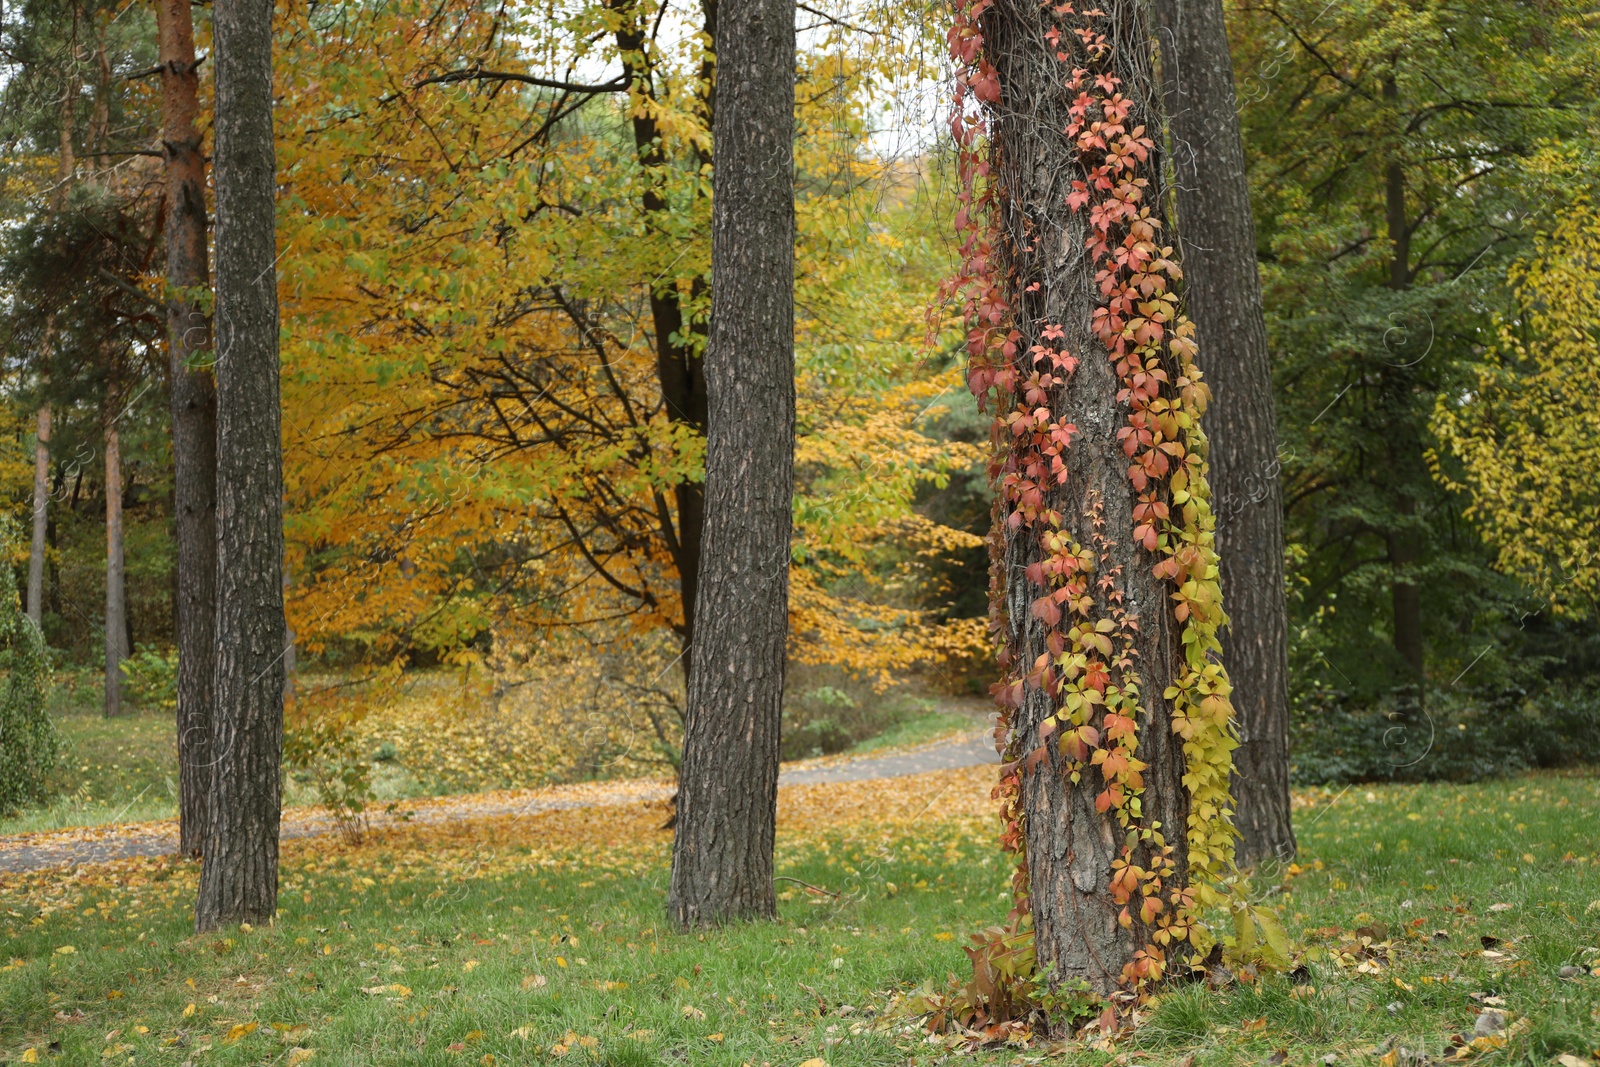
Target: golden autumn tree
[
  {"x": 1520, "y": 439},
  {"x": 492, "y": 274}
]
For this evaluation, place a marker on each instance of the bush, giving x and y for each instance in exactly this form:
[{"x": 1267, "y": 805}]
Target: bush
[
  {"x": 827, "y": 710},
  {"x": 29, "y": 745},
  {"x": 1453, "y": 736},
  {"x": 151, "y": 676}
]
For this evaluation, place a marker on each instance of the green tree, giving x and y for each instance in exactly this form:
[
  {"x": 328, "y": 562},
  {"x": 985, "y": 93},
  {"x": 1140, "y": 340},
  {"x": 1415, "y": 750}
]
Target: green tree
[{"x": 1388, "y": 146}]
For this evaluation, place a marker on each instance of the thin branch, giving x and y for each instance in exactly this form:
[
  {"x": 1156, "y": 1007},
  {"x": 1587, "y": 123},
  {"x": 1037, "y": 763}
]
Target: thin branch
[
  {"x": 808, "y": 9},
  {"x": 617, "y": 85}
]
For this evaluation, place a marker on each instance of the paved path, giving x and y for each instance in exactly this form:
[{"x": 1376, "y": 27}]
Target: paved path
[{"x": 67, "y": 848}]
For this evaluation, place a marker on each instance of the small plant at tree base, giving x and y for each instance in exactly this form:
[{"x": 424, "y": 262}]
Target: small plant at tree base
[{"x": 29, "y": 746}]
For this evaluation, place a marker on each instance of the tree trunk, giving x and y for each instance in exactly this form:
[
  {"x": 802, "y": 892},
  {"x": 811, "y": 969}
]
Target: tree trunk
[
  {"x": 41, "y": 517},
  {"x": 680, "y": 370},
  {"x": 1404, "y": 596},
  {"x": 728, "y": 783},
  {"x": 1103, "y": 570},
  {"x": 1223, "y": 293},
  {"x": 239, "y": 877},
  {"x": 194, "y": 416},
  {"x": 116, "y": 603}
]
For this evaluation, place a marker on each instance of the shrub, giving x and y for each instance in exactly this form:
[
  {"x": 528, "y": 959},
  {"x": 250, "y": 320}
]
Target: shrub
[
  {"x": 1454, "y": 736},
  {"x": 29, "y": 745},
  {"x": 151, "y": 675}
]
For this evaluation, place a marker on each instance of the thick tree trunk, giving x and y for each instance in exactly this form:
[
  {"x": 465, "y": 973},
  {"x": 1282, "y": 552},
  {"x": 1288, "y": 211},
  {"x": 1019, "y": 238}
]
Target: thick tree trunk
[
  {"x": 728, "y": 783},
  {"x": 239, "y": 877},
  {"x": 116, "y": 603},
  {"x": 1223, "y": 293},
  {"x": 194, "y": 416},
  {"x": 1092, "y": 633},
  {"x": 41, "y": 517}
]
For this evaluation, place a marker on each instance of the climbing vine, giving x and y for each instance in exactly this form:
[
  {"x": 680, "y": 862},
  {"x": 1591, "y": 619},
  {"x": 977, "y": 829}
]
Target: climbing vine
[{"x": 1020, "y": 368}]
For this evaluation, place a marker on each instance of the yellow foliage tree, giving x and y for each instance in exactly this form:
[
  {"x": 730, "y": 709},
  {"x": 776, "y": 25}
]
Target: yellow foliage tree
[{"x": 1523, "y": 431}]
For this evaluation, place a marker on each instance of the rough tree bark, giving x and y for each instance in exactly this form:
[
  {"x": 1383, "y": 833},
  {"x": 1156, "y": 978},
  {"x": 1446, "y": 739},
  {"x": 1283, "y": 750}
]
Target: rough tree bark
[
  {"x": 194, "y": 415},
  {"x": 41, "y": 517},
  {"x": 239, "y": 877},
  {"x": 728, "y": 783},
  {"x": 116, "y": 602},
  {"x": 1223, "y": 293}
]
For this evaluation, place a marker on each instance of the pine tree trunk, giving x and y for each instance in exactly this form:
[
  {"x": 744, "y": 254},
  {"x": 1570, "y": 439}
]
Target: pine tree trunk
[
  {"x": 41, "y": 517},
  {"x": 239, "y": 877},
  {"x": 728, "y": 783},
  {"x": 194, "y": 416},
  {"x": 116, "y": 604},
  {"x": 1223, "y": 293}
]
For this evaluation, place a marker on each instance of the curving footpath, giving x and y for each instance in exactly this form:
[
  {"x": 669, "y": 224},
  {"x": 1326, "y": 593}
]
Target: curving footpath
[{"x": 97, "y": 844}]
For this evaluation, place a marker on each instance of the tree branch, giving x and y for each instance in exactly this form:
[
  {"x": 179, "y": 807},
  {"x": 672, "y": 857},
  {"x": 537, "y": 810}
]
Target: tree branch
[{"x": 617, "y": 85}]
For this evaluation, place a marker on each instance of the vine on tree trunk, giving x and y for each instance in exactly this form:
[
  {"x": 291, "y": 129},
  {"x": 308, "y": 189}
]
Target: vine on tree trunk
[{"x": 1090, "y": 671}]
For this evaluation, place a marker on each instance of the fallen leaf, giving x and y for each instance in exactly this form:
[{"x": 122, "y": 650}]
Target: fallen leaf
[
  {"x": 535, "y": 981},
  {"x": 692, "y": 1012},
  {"x": 188, "y": 1010},
  {"x": 239, "y": 1032},
  {"x": 30, "y": 1055},
  {"x": 65, "y": 950},
  {"x": 1567, "y": 1059},
  {"x": 298, "y": 1056},
  {"x": 1500, "y": 907}
]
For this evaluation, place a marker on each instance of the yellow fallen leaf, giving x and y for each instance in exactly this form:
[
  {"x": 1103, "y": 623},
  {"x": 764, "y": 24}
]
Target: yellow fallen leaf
[
  {"x": 239, "y": 1032},
  {"x": 188, "y": 1010},
  {"x": 141, "y": 1029},
  {"x": 589, "y": 1042},
  {"x": 189, "y": 982},
  {"x": 815, "y": 1062},
  {"x": 944, "y": 936},
  {"x": 488, "y": 1059},
  {"x": 713, "y": 1037},
  {"x": 473, "y": 1035},
  {"x": 470, "y": 965},
  {"x": 522, "y": 1033},
  {"x": 114, "y": 994},
  {"x": 298, "y": 1056},
  {"x": 692, "y": 1012},
  {"x": 561, "y": 961},
  {"x": 65, "y": 950},
  {"x": 30, "y": 1055}
]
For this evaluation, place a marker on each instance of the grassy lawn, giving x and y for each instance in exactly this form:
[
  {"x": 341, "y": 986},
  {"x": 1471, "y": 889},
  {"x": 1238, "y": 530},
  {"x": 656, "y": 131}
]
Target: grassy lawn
[
  {"x": 537, "y": 939},
  {"x": 111, "y": 770}
]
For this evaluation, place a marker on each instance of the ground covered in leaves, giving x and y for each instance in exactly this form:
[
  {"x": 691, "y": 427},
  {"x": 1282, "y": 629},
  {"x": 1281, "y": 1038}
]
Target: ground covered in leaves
[{"x": 536, "y": 939}]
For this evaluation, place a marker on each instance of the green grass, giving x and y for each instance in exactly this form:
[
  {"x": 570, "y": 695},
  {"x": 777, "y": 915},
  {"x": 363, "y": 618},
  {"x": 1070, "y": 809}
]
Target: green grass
[
  {"x": 920, "y": 729},
  {"x": 111, "y": 770},
  {"x": 466, "y": 941}
]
